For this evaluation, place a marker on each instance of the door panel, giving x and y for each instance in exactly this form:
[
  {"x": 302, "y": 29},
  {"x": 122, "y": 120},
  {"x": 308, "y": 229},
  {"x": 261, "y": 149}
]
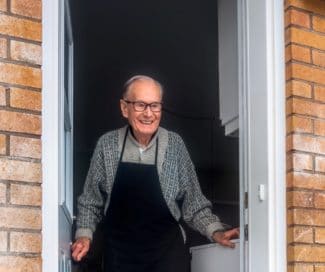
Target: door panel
[
  {"x": 214, "y": 257},
  {"x": 66, "y": 138}
]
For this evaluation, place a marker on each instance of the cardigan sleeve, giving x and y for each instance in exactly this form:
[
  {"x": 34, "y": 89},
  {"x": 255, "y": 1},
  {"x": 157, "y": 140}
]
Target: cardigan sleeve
[
  {"x": 91, "y": 201},
  {"x": 196, "y": 209}
]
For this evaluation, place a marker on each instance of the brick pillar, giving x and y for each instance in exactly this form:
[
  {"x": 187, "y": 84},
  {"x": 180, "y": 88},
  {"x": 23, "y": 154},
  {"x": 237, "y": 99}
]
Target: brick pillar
[
  {"x": 305, "y": 90},
  {"x": 20, "y": 131}
]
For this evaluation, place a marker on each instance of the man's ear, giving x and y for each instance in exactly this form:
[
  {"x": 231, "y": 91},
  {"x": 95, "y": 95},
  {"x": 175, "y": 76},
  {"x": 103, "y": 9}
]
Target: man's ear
[{"x": 124, "y": 109}]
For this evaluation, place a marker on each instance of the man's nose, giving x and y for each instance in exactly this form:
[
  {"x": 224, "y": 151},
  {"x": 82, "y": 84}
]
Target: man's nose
[{"x": 147, "y": 111}]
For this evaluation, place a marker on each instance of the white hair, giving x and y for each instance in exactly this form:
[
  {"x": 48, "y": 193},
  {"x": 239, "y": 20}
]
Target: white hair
[{"x": 127, "y": 85}]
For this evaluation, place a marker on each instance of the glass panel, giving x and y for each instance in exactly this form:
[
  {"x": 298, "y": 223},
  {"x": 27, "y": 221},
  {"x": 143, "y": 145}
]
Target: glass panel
[{"x": 67, "y": 114}]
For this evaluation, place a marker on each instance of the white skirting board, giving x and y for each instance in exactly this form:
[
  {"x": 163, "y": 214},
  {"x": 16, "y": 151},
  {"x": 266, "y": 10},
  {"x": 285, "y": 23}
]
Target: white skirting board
[{"x": 215, "y": 258}]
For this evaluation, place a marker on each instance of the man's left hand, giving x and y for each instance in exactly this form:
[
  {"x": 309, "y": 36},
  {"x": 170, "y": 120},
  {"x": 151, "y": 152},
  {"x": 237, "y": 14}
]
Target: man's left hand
[{"x": 223, "y": 238}]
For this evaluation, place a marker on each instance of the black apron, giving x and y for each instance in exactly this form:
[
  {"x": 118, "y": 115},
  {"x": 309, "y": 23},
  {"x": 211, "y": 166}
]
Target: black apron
[{"x": 140, "y": 232}]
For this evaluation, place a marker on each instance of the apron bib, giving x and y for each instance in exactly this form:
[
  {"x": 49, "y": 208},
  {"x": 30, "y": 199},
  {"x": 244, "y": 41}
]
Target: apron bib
[{"x": 140, "y": 232}]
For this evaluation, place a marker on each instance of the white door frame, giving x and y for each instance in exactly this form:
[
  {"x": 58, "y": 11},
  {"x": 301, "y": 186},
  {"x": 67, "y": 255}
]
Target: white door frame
[
  {"x": 262, "y": 132},
  {"x": 50, "y": 135},
  {"x": 262, "y": 113}
]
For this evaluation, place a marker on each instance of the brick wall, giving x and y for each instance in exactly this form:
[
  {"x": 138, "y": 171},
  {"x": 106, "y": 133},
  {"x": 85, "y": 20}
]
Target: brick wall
[
  {"x": 305, "y": 87},
  {"x": 20, "y": 129}
]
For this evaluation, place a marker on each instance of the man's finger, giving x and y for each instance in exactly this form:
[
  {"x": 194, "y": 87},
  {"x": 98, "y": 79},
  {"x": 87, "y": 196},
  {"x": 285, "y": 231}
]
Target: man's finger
[
  {"x": 234, "y": 233},
  {"x": 75, "y": 245},
  {"x": 82, "y": 253},
  {"x": 77, "y": 248},
  {"x": 227, "y": 243}
]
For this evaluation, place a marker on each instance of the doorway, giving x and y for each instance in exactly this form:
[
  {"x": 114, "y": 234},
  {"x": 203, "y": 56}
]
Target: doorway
[
  {"x": 261, "y": 122},
  {"x": 176, "y": 43}
]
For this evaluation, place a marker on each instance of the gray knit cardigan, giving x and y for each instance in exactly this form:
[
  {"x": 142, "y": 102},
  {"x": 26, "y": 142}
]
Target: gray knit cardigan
[{"x": 177, "y": 177}]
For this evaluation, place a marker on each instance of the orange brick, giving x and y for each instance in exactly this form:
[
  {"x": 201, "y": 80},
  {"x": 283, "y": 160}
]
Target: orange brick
[
  {"x": 320, "y": 235},
  {"x": 300, "y": 53},
  {"x": 3, "y": 241},
  {"x": 3, "y": 192},
  {"x": 28, "y": 52},
  {"x": 306, "y": 107},
  {"x": 3, "y": 143},
  {"x": 289, "y": 144},
  {"x": 25, "y": 242},
  {"x": 318, "y": 58},
  {"x": 289, "y": 125},
  {"x": 320, "y": 164},
  {"x": 309, "y": 217},
  {"x": 288, "y": 53},
  {"x": 297, "y": 17},
  {"x": 30, "y": 8},
  {"x": 319, "y": 93},
  {"x": 2, "y": 96},
  {"x": 318, "y": 24},
  {"x": 289, "y": 163},
  {"x": 20, "y": 170},
  {"x": 301, "y": 161},
  {"x": 22, "y": 75},
  {"x": 308, "y": 144},
  {"x": 289, "y": 217},
  {"x": 20, "y": 98},
  {"x": 310, "y": 5},
  {"x": 22, "y": 218},
  {"x": 20, "y": 122},
  {"x": 299, "y": 88},
  {"x": 32, "y": 195},
  {"x": 21, "y": 28},
  {"x": 25, "y": 147},
  {"x": 305, "y": 37},
  {"x": 3, "y": 5},
  {"x": 20, "y": 264},
  {"x": 299, "y": 124},
  {"x": 300, "y": 199},
  {"x": 288, "y": 107},
  {"x": 320, "y": 200},
  {"x": 319, "y": 127},
  {"x": 300, "y": 268},
  {"x": 306, "y": 253},
  {"x": 309, "y": 73},
  {"x": 306, "y": 181},
  {"x": 3, "y": 48},
  {"x": 319, "y": 268},
  {"x": 300, "y": 235}
]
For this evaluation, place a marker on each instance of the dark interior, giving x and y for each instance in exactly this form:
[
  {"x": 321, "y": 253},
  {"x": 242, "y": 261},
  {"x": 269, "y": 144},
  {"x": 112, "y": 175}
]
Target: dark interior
[{"x": 176, "y": 42}]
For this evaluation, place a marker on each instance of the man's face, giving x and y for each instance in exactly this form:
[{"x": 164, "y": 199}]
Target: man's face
[{"x": 145, "y": 123}]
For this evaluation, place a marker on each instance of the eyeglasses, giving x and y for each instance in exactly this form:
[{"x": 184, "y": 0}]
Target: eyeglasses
[{"x": 142, "y": 106}]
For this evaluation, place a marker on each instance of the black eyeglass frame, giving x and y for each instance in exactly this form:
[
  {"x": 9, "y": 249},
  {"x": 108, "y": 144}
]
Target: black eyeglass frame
[{"x": 145, "y": 105}]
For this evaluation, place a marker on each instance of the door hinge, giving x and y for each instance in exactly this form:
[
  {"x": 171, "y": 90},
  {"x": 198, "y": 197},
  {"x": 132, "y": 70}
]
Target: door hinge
[
  {"x": 246, "y": 200},
  {"x": 246, "y": 232}
]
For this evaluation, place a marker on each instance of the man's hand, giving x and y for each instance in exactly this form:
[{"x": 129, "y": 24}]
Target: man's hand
[
  {"x": 80, "y": 248},
  {"x": 223, "y": 238}
]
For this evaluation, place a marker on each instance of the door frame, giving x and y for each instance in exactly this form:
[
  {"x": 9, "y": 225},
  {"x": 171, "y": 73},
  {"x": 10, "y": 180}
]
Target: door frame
[
  {"x": 262, "y": 131},
  {"x": 50, "y": 134}
]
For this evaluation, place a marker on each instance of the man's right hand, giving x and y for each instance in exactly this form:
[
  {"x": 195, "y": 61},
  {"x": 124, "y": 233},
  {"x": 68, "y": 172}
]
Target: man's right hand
[{"x": 80, "y": 248}]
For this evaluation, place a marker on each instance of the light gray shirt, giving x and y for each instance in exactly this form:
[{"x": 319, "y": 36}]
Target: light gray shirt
[{"x": 135, "y": 152}]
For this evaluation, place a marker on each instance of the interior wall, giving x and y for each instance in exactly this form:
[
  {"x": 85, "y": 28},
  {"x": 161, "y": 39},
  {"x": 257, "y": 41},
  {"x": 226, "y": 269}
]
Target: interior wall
[{"x": 176, "y": 42}]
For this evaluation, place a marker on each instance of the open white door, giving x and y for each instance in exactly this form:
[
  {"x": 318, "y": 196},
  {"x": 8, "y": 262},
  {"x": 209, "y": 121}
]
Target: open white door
[
  {"x": 256, "y": 78},
  {"x": 66, "y": 138},
  {"x": 213, "y": 257}
]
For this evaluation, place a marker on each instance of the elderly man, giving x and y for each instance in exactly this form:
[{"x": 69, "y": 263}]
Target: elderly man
[{"x": 136, "y": 178}]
